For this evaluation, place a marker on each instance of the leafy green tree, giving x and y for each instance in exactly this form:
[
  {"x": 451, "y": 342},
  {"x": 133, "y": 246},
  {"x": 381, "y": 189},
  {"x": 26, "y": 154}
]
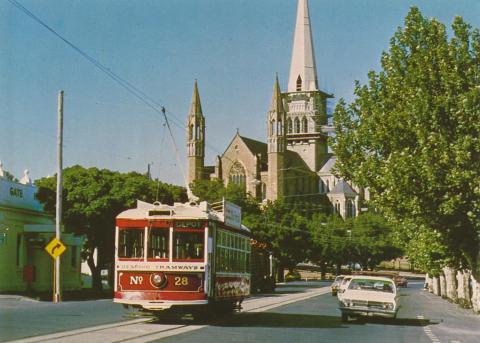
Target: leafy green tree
[
  {"x": 331, "y": 241},
  {"x": 286, "y": 230},
  {"x": 412, "y": 136},
  {"x": 208, "y": 190},
  {"x": 92, "y": 198},
  {"x": 374, "y": 240},
  {"x": 214, "y": 191}
]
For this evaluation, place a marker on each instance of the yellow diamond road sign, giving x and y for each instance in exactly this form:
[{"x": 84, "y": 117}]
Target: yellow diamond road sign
[{"x": 55, "y": 248}]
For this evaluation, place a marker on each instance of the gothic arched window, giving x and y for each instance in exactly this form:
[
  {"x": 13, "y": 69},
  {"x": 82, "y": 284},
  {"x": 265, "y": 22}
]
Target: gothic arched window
[
  {"x": 299, "y": 83},
  {"x": 197, "y": 132},
  {"x": 280, "y": 127},
  {"x": 349, "y": 209},
  {"x": 237, "y": 174},
  {"x": 272, "y": 128},
  {"x": 297, "y": 125},
  {"x": 289, "y": 125},
  {"x": 304, "y": 125},
  {"x": 190, "y": 132},
  {"x": 336, "y": 207}
]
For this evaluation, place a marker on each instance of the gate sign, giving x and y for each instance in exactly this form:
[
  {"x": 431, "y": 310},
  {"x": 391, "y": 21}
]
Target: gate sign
[{"x": 55, "y": 248}]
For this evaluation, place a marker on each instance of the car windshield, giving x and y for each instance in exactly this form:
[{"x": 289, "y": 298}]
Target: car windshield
[
  {"x": 371, "y": 285},
  {"x": 338, "y": 279}
]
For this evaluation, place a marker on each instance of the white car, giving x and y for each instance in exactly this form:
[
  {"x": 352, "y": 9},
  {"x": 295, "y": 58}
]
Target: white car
[
  {"x": 343, "y": 286},
  {"x": 369, "y": 296},
  {"x": 336, "y": 284}
]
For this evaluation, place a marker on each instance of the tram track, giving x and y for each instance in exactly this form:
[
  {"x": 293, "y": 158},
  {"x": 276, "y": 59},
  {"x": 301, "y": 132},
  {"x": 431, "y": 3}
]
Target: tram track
[{"x": 149, "y": 329}]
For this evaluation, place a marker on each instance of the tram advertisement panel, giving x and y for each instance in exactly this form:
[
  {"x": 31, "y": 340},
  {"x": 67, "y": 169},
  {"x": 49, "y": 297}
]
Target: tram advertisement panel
[{"x": 232, "y": 286}]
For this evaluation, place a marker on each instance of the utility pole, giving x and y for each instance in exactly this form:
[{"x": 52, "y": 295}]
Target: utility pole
[{"x": 56, "y": 293}]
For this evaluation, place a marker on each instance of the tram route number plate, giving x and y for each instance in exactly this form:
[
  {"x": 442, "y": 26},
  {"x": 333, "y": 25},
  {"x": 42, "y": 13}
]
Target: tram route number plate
[{"x": 55, "y": 248}]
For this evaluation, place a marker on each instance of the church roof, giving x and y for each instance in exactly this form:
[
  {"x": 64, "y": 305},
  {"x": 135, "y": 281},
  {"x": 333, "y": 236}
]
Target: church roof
[
  {"x": 327, "y": 167},
  {"x": 254, "y": 146},
  {"x": 343, "y": 187}
]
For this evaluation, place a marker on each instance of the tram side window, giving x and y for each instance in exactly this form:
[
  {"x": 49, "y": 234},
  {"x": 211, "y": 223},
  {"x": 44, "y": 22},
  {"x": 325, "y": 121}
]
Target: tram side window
[
  {"x": 188, "y": 245},
  {"x": 158, "y": 242},
  {"x": 130, "y": 243},
  {"x": 233, "y": 253}
]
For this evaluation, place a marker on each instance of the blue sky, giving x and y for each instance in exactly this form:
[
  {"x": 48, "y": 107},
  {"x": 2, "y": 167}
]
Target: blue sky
[{"x": 232, "y": 47}]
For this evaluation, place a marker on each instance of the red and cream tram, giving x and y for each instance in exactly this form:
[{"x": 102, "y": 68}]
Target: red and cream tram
[{"x": 181, "y": 255}]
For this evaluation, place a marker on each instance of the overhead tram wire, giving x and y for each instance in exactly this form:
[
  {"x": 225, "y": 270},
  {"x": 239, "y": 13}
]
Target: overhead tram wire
[
  {"x": 139, "y": 94},
  {"x": 128, "y": 86},
  {"x": 143, "y": 97}
]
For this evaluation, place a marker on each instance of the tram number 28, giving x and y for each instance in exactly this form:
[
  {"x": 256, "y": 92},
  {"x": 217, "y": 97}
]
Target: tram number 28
[{"x": 181, "y": 281}]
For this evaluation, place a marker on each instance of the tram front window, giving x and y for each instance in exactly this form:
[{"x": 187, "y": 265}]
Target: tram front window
[
  {"x": 158, "y": 243},
  {"x": 130, "y": 243},
  {"x": 188, "y": 245}
]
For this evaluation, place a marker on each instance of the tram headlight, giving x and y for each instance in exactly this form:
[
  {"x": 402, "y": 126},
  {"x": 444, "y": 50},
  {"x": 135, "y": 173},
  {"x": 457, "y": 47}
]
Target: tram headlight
[{"x": 158, "y": 280}]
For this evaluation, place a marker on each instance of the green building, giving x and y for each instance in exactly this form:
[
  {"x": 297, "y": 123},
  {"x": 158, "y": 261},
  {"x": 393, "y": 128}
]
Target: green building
[{"x": 25, "y": 230}]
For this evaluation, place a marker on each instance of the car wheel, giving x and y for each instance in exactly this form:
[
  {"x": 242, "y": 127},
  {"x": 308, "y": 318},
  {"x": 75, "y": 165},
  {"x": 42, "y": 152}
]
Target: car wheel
[{"x": 344, "y": 317}]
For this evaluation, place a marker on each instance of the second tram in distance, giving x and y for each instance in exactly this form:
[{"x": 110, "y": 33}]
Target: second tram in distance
[{"x": 183, "y": 255}]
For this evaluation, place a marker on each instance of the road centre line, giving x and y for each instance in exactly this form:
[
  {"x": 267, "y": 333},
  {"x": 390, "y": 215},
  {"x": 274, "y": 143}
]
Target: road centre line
[{"x": 428, "y": 331}]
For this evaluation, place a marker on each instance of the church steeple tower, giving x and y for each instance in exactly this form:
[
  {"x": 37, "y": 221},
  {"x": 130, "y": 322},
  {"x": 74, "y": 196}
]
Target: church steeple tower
[
  {"x": 305, "y": 104},
  {"x": 303, "y": 72},
  {"x": 276, "y": 145},
  {"x": 276, "y": 121},
  {"x": 195, "y": 138}
]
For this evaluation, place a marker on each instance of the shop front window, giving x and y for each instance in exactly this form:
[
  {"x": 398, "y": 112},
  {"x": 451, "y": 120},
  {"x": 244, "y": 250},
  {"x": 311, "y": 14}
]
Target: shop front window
[
  {"x": 130, "y": 243},
  {"x": 188, "y": 245}
]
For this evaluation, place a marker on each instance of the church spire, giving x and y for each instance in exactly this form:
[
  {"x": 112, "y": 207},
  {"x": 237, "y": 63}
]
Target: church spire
[
  {"x": 195, "y": 106},
  {"x": 277, "y": 104},
  {"x": 303, "y": 72},
  {"x": 195, "y": 138}
]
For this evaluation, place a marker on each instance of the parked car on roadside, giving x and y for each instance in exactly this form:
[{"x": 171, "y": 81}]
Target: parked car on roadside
[
  {"x": 336, "y": 284},
  {"x": 369, "y": 296},
  {"x": 400, "y": 281}
]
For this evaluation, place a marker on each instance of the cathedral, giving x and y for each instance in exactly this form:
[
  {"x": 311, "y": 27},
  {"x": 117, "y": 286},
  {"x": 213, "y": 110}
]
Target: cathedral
[{"x": 295, "y": 162}]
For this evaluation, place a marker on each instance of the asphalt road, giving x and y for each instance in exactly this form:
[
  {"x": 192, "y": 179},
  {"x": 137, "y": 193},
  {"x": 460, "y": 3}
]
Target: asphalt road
[
  {"x": 422, "y": 318},
  {"x": 24, "y": 318}
]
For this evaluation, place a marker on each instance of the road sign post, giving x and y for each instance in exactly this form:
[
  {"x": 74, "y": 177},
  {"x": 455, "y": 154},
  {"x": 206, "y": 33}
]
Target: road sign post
[
  {"x": 55, "y": 248},
  {"x": 58, "y": 217}
]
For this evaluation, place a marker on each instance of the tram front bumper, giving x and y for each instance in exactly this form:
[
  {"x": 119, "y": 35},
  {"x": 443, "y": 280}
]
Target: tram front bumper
[{"x": 159, "y": 305}]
